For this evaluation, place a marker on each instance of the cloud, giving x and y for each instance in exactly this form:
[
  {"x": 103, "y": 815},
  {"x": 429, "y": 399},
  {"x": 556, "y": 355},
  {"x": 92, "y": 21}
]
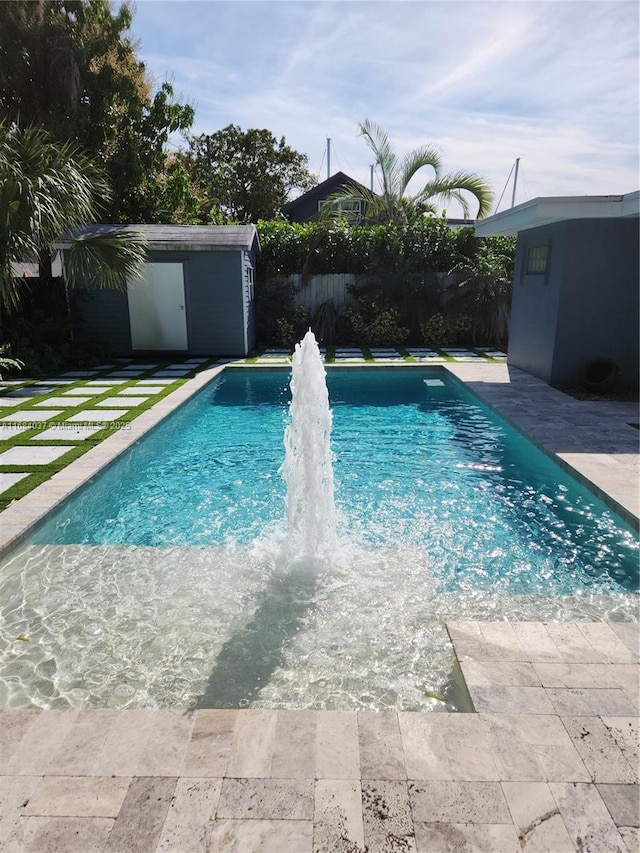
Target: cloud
[{"x": 555, "y": 83}]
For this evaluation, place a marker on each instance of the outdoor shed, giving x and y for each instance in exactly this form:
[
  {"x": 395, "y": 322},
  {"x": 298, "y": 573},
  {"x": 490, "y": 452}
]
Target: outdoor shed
[
  {"x": 195, "y": 298},
  {"x": 575, "y": 287}
]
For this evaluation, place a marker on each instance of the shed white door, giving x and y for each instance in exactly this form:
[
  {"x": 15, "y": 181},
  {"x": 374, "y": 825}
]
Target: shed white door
[{"x": 156, "y": 308}]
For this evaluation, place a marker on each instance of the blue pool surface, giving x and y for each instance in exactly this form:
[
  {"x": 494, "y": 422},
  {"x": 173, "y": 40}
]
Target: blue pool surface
[{"x": 417, "y": 459}]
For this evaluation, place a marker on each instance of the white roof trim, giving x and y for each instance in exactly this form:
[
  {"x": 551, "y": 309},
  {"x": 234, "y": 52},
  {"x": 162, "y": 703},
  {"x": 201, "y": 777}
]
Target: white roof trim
[{"x": 544, "y": 211}]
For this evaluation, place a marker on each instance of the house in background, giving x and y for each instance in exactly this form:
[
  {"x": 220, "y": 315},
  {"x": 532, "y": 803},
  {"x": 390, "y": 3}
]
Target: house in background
[
  {"x": 575, "y": 288},
  {"x": 196, "y": 296},
  {"x": 309, "y": 204}
]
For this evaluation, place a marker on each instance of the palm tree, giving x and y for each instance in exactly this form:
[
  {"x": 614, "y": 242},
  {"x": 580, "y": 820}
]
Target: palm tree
[
  {"x": 50, "y": 188},
  {"x": 393, "y": 204}
]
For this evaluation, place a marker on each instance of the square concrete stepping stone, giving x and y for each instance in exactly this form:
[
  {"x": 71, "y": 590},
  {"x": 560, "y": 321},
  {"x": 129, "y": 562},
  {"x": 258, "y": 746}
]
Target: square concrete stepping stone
[
  {"x": 83, "y": 390},
  {"x": 30, "y": 416},
  {"x": 7, "y": 431},
  {"x": 13, "y": 401},
  {"x": 30, "y": 391},
  {"x": 128, "y": 374},
  {"x": 9, "y": 480},
  {"x": 139, "y": 367},
  {"x": 97, "y": 415},
  {"x": 104, "y": 383},
  {"x": 135, "y": 390},
  {"x": 32, "y": 455},
  {"x": 71, "y": 402},
  {"x": 181, "y": 366},
  {"x": 66, "y": 433},
  {"x": 122, "y": 401},
  {"x": 154, "y": 381},
  {"x": 79, "y": 374},
  {"x": 176, "y": 374}
]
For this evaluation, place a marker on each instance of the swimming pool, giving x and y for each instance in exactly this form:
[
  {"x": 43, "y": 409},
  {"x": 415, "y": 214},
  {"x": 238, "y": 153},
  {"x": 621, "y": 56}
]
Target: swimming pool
[{"x": 162, "y": 583}]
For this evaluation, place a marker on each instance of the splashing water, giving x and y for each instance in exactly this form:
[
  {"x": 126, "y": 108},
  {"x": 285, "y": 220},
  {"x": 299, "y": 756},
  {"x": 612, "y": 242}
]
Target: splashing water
[{"x": 308, "y": 465}]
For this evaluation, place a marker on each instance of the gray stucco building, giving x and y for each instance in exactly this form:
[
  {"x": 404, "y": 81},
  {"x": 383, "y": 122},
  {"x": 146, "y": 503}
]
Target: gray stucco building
[
  {"x": 575, "y": 288},
  {"x": 196, "y": 296}
]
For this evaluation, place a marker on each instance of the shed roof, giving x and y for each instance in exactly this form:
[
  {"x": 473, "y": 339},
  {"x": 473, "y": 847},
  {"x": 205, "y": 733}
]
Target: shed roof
[
  {"x": 545, "y": 210},
  {"x": 176, "y": 237}
]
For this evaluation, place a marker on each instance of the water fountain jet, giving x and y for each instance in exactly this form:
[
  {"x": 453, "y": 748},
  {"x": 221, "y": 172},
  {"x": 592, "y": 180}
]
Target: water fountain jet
[{"x": 308, "y": 464}]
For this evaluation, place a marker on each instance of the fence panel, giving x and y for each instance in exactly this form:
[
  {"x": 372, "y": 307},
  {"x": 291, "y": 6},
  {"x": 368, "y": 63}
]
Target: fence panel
[{"x": 323, "y": 288}]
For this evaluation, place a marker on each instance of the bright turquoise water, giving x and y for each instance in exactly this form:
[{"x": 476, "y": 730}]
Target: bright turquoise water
[{"x": 417, "y": 461}]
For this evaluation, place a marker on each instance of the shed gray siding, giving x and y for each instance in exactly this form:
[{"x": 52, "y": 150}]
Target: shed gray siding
[
  {"x": 102, "y": 315},
  {"x": 584, "y": 307},
  {"x": 218, "y": 307}
]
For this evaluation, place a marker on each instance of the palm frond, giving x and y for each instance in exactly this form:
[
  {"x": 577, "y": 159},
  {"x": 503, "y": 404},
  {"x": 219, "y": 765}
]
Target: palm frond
[
  {"x": 105, "y": 260},
  {"x": 452, "y": 186},
  {"x": 428, "y": 155},
  {"x": 385, "y": 157}
]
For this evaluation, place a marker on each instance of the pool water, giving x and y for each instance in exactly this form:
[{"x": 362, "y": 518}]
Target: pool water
[{"x": 162, "y": 583}]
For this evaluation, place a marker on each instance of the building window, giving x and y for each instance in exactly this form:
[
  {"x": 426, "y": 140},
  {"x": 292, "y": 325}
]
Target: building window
[
  {"x": 537, "y": 258},
  {"x": 349, "y": 206},
  {"x": 249, "y": 281}
]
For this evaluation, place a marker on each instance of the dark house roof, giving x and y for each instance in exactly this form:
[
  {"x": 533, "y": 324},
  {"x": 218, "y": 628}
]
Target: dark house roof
[
  {"x": 308, "y": 204},
  {"x": 194, "y": 237}
]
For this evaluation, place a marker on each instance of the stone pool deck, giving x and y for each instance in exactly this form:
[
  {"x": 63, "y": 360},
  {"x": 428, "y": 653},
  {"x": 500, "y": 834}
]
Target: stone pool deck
[{"x": 548, "y": 760}]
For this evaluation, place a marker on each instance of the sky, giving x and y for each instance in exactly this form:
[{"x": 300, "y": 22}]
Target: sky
[{"x": 552, "y": 82}]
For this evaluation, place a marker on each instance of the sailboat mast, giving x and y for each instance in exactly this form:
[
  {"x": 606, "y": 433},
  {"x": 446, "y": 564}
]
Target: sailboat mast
[{"x": 515, "y": 182}]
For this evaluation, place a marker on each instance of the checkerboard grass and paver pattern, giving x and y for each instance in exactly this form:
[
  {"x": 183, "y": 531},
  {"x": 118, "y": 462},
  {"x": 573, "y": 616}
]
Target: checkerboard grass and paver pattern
[{"x": 46, "y": 424}]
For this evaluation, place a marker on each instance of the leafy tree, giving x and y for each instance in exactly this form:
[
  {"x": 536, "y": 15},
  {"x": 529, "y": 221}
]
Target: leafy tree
[
  {"x": 244, "y": 176},
  {"x": 394, "y": 204},
  {"x": 69, "y": 66},
  {"x": 48, "y": 188}
]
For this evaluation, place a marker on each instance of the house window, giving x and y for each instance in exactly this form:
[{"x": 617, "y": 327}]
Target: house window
[
  {"x": 349, "y": 206},
  {"x": 249, "y": 281},
  {"x": 537, "y": 258}
]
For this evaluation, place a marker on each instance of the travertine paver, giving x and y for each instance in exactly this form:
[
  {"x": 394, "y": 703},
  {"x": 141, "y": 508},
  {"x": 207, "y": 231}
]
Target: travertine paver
[{"x": 212, "y": 780}]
